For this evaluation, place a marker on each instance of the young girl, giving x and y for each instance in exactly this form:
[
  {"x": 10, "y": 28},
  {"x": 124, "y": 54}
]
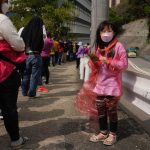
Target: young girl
[
  {"x": 113, "y": 60},
  {"x": 108, "y": 62}
]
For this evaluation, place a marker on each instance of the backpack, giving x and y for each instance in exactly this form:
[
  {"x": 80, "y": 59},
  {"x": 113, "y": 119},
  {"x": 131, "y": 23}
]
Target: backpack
[{"x": 20, "y": 67}]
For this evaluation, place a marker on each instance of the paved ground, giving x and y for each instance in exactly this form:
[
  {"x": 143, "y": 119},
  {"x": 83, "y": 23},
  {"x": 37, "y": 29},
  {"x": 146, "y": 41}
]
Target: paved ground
[{"x": 52, "y": 123}]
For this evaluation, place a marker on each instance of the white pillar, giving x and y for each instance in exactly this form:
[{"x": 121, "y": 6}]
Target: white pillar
[{"x": 99, "y": 13}]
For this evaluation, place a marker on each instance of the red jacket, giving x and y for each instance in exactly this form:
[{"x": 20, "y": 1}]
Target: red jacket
[{"x": 6, "y": 68}]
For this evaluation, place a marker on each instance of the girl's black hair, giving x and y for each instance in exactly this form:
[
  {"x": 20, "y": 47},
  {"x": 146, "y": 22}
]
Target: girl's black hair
[{"x": 98, "y": 41}]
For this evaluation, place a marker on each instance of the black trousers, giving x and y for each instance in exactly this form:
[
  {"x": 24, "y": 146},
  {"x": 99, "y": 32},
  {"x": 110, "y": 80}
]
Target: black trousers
[
  {"x": 45, "y": 71},
  {"x": 107, "y": 109},
  {"x": 77, "y": 62},
  {"x": 8, "y": 104}
]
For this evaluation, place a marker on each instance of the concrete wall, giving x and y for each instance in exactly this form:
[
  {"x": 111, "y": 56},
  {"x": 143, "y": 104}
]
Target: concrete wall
[{"x": 136, "y": 98}]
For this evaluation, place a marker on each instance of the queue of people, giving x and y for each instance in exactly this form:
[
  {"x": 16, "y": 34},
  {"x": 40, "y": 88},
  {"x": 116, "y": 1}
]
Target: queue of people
[{"x": 29, "y": 46}]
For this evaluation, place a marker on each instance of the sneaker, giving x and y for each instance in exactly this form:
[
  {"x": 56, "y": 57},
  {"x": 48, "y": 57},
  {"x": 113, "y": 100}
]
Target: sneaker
[
  {"x": 39, "y": 89},
  {"x": 1, "y": 117},
  {"x": 36, "y": 96},
  {"x": 42, "y": 89},
  {"x": 19, "y": 143}
]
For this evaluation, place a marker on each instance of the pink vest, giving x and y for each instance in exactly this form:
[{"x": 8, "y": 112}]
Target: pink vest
[{"x": 7, "y": 68}]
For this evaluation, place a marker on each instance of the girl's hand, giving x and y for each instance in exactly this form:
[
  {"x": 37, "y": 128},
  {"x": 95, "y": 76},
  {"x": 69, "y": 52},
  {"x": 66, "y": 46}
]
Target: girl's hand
[
  {"x": 93, "y": 57},
  {"x": 103, "y": 59}
]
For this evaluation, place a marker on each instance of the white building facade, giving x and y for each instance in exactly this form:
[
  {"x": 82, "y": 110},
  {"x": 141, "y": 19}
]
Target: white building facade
[{"x": 80, "y": 27}]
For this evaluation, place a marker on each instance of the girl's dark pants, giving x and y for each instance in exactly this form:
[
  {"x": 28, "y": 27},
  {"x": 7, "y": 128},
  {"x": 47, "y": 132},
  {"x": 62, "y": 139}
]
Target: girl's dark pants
[{"x": 107, "y": 109}]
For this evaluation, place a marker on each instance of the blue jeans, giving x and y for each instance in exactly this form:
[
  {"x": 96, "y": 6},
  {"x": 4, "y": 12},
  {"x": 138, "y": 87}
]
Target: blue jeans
[
  {"x": 31, "y": 75},
  {"x": 59, "y": 58}
]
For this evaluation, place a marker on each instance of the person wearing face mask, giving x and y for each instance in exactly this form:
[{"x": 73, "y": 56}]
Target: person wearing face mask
[
  {"x": 11, "y": 47},
  {"x": 5, "y": 6},
  {"x": 104, "y": 87}
]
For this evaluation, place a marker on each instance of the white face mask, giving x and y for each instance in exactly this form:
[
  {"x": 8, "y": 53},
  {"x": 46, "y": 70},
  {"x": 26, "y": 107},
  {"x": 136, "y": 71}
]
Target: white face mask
[
  {"x": 107, "y": 36},
  {"x": 5, "y": 8}
]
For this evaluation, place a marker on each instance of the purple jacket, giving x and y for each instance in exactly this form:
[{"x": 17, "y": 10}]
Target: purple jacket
[
  {"x": 48, "y": 43},
  {"x": 80, "y": 52},
  {"x": 109, "y": 82}
]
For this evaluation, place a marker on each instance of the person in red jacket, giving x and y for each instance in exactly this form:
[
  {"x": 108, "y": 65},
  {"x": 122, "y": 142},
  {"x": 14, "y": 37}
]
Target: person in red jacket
[{"x": 11, "y": 46}]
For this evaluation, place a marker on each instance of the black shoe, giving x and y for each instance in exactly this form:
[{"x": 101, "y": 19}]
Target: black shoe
[{"x": 46, "y": 82}]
